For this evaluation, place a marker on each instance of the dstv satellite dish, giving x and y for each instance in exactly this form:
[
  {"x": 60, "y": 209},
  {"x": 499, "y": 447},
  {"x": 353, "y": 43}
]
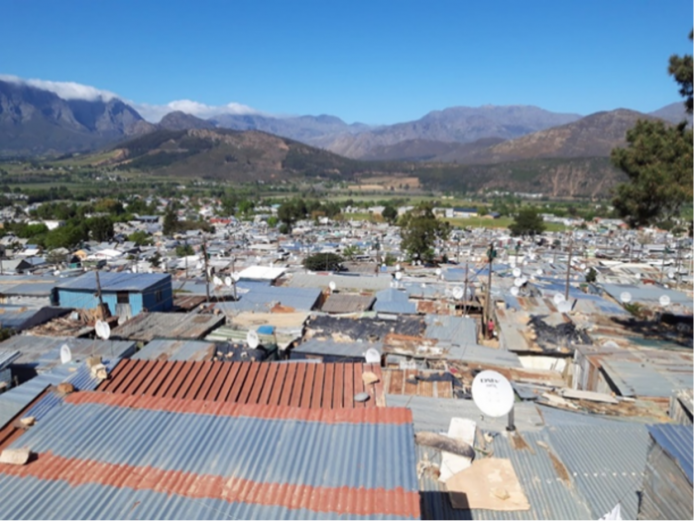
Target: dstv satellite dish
[
  {"x": 332, "y": 286},
  {"x": 518, "y": 282},
  {"x": 457, "y": 292},
  {"x": 565, "y": 307},
  {"x": 235, "y": 277},
  {"x": 217, "y": 281},
  {"x": 665, "y": 300},
  {"x": 252, "y": 339},
  {"x": 516, "y": 272},
  {"x": 625, "y": 297},
  {"x": 102, "y": 329},
  {"x": 372, "y": 356},
  {"x": 515, "y": 291},
  {"x": 492, "y": 394},
  {"x": 65, "y": 354},
  {"x": 228, "y": 281},
  {"x": 398, "y": 276},
  {"x": 558, "y": 298}
]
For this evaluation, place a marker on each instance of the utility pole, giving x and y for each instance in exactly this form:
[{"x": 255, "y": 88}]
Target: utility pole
[
  {"x": 99, "y": 291},
  {"x": 664, "y": 258},
  {"x": 570, "y": 255},
  {"x": 466, "y": 287},
  {"x": 207, "y": 275},
  {"x": 487, "y": 315},
  {"x": 234, "y": 280}
]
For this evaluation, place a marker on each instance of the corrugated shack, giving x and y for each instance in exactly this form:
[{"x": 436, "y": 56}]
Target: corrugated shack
[
  {"x": 329, "y": 350},
  {"x": 20, "y": 318},
  {"x": 177, "y": 350},
  {"x": 262, "y": 298},
  {"x": 28, "y": 290},
  {"x": 668, "y": 486},
  {"x": 165, "y": 459},
  {"x": 347, "y": 303},
  {"x": 125, "y": 293},
  {"x": 149, "y": 326},
  {"x": 681, "y": 407}
]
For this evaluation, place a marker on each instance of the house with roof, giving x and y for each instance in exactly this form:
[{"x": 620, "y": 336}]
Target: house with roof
[{"x": 126, "y": 294}]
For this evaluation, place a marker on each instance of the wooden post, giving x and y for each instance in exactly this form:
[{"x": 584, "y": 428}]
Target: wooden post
[
  {"x": 207, "y": 276},
  {"x": 487, "y": 315},
  {"x": 570, "y": 255}
]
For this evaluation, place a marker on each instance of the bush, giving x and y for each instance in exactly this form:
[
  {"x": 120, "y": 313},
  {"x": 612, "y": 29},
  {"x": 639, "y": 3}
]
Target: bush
[{"x": 323, "y": 262}]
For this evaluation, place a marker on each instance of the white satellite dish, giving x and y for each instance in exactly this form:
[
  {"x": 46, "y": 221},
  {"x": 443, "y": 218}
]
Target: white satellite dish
[
  {"x": 258, "y": 259},
  {"x": 217, "y": 281},
  {"x": 199, "y": 265},
  {"x": 103, "y": 329},
  {"x": 65, "y": 354},
  {"x": 235, "y": 276},
  {"x": 671, "y": 274},
  {"x": 558, "y": 298},
  {"x": 438, "y": 272},
  {"x": 565, "y": 307},
  {"x": 610, "y": 344},
  {"x": 457, "y": 292},
  {"x": 398, "y": 276},
  {"x": 56, "y": 273},
  {"x": 252, "y": 339},
  {"x": 372, "y": 356},
  {"x": 398, "y": 268},
  {"x": 332, "y": 286},
  {"x": 539, "y": 271},
  {"x": 625, "y": 297},
  {"x": 582, "y": 266},
  {"x": 492, "y": 394},
  {"x": 515, "y": 291},
  {"x": 665, "y": 300},
  {"x": 518, "y": 282},
  {"x": 228, "y": 281},
  {"x": 516, "y": 272}
]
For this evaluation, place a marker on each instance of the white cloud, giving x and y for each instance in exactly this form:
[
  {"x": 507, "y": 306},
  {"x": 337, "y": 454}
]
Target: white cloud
[
  {"x": 65, "y": 90},
  {"x": 154, "y": 113}
]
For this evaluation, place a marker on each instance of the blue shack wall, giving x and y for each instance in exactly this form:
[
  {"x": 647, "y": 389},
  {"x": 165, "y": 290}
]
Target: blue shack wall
[
  {"x": 149, "y": 297},
  {"x": 71, "y": 298}
]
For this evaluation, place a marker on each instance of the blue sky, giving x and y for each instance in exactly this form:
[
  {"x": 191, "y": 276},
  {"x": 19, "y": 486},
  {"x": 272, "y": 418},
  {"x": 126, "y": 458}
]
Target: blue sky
[{"x": 375, "y": 61}]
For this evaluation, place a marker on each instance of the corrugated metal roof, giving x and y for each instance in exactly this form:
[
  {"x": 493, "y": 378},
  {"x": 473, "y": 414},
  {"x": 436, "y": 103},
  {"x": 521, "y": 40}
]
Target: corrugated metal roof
[
  {"x": 649, "y": 294},
  {"x": 171, "y": 350},
  {"x": 114, "y": 281},
  {"x": 263, "y": 298},
  {"x": 678, "y": 441},
  {"x": 550, "y": 493},
  {"x": 316, "y": 386},
  {"x": 150, "y": 459},
  {"x": 43, "y": 353},
  {"x": 347, "y": 304},
  {"x": 452, "y": 329},
  {"x": 342, "y": 282},
  {"x": 393, "y": 301},
  {"x": 148, "y": 326},
  {"x": 334, "y": 349},
  {"x": 607, "y": 463},
  {"x": 6, "y": 357}
]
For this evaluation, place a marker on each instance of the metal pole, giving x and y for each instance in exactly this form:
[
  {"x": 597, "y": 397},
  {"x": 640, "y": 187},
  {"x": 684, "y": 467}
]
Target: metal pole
[
  {"x": 99, "y": 291},
  {"x": 466, "y": 286},
  {"x": 488, "y": 288},
  {"x": 207, "y": 276},
  {"x": 511, "y": 419},
  {"x": 570, "y": 255}
]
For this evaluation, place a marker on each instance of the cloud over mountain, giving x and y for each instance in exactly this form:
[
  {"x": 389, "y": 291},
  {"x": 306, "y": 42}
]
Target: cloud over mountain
[
  {"x": 64, "y": 90},
  {"x": 154, "y": 113}
]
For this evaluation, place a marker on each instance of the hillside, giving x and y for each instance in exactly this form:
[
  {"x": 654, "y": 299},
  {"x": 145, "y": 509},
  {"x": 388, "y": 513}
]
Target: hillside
[
  {"x": 37, "y": 122},
  {"x": 178, "y": 120},
  {"x": 234, "y": 155}
]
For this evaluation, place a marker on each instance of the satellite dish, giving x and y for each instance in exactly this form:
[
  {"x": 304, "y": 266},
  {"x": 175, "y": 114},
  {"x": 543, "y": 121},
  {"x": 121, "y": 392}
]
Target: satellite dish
[
  {"x": 258, "y": 259},
  {"x": 235, "y": 276},
  {"x": 639, "y": 276},
  {"x": 217, "y": 281},
  {"x": 518, "y": 281},
  {"x": 252, "y": 339},
  {"x": 565, "y": 307},
  {"x": 423, "y": 285},
  {"x": 56, "y": 273},
  {"x": 625, "y": 297},
  {"x": 438, "y": 272},
  {"x": 228, "y": 281},
  {"x": 199, "y": 265},
  {"x": 332, "y": 286},
  {"x": 457, "y": 292},
  {"x": 372, "y": 356},
  {"x": 558, "y": 298},
  {"x": 103, "y": 330},
  {"x": 492, "y": 394},
  {"x": 671, "y": 274},
  {"x": 515, "y": 291},
  {"x": 398, "y": 268},
  {"x": 582, "y": 266},
  {"x": 539, "y": 271},
  {"x": 361, "y": 397},
  {"x": 610, "y": 344},
  {"x": 516, "y": 272},
  {"x": 65, "y": 354},
  {"x": 398, "y": 276},
  {"x": 665, "y": 300}
]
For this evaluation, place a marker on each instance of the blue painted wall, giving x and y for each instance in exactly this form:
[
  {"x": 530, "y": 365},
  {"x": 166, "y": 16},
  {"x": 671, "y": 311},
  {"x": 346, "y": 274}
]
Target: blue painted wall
[{"x": 157, "y": 298}]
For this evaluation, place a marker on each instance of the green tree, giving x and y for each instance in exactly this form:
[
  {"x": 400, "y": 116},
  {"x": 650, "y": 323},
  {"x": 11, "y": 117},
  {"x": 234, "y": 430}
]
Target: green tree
[
  {"x": 323, "y": 262},
  {"x": 184, "y": 250},
  {"x": 140, "y": 238},
  {"x": 658, "y": 162},
  {"x": 170, "y": 223},
  {"x": 420, "y": 230},
  {"x": 101, "y": 228},
  {"x": 390, "y": 213},
  {"x": 527, "y": 222}
]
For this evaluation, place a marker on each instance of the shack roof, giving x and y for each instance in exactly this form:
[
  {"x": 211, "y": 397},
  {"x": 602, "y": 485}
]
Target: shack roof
[
  {"x": 347, "y": 304},
  {"x": 149, "y": 326},
  {"x": 677, "y": 441},
  {"x": 264, "y": 298},
  {"x": 177, "y": 350},
  {"x": 114, "y": 282},
  {"x": 325, "y": 386},
  {"x": 255, "y": 477},
  {"x": 343, "y": 282}
]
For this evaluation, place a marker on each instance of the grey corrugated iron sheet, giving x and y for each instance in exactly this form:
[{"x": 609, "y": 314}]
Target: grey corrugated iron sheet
[
  {"x": 638, "y": 379},
  {"x": 148, "y": 326},
  {"x": 175, "y": 350},
  {"x": 299, "y": 280},
  {"x": 262, "y": 298},
  {"x": 607, "y": 463},
  {"x": 649, "y": 294},
  {"x": 114, "y": 281},
  {"x": 435, "y": 413},
  {"x": 6, "y": 357},
  {"x": 347, "y": 304},
  {"x": 43, "y": 353},
  {"x": 393, "y": 301},
  {"x": 278, "y": 463},
  {"x": 550, "y": 496},
  {"x": 332, "y": 349},
  {"x": 678, "y": 441},
  {"x": 451, "y": 329}
]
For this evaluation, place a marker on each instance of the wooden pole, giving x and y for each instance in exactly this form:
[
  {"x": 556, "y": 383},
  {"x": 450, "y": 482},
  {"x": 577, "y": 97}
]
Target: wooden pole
[
  {"x": 207, "y": 275},
  {"x": 570, "y": 255}
]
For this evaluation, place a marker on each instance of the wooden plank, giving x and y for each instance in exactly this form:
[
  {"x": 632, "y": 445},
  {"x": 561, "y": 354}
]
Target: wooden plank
[
  {"x": 396, "y": 382},
  {"x": 444, "y": 389},
  {"x": 380, "y": 399},
  {"x": 296, "y": 395},
  {"x": 425, "y": 388},
  {"x": 308, "y": 385},
  {"x": 410, "y": 388}
]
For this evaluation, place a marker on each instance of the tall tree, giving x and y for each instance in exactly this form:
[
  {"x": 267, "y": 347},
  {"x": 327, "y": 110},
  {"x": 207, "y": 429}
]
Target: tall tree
[
  {"x": 658, "y": 162},
  {"x": 527, "y": 222},
  {"x": 420, "y": 230}
]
